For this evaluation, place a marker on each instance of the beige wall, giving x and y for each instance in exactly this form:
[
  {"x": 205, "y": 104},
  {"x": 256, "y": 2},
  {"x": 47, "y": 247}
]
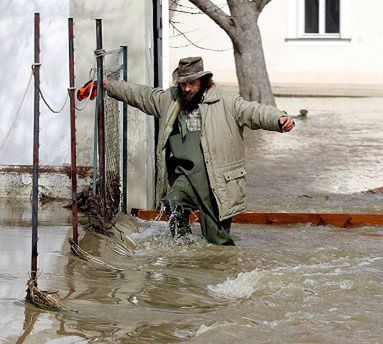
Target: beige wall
[{"x": 354, "y": 61}]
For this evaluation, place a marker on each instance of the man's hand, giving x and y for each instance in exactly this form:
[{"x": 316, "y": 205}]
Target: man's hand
[{"x": 286, "y": 123}]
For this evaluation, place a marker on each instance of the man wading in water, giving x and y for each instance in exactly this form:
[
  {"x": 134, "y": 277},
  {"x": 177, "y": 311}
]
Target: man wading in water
[{"x": 200, "y": 153}]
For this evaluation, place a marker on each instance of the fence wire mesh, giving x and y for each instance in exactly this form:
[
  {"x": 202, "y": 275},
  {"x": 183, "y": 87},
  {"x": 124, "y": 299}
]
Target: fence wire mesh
[
  {"x": 112, "y": 145},
  {"x": 100, "y": 211}
]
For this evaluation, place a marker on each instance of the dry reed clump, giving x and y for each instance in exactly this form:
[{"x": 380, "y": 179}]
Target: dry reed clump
[
  {"x": 42, "y": 299},
  {"x": 98, "y": 216}
]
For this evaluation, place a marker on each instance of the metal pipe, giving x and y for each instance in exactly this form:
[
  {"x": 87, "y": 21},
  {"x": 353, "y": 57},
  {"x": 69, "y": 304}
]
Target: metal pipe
[
  {"x": 157, "y": 64},
  {"x": 100, "y": 119},
  {"x": 95, "y": 133},
  {"x": 36, "y": 130},
  {"x": 157, "y": 42},
  {"x": 73, "y": 131},
  {"x": 124, "y": 133}
]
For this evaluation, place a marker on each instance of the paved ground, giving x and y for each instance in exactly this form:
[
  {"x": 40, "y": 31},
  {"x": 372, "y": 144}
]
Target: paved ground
[{"x": 319, "y": 90}]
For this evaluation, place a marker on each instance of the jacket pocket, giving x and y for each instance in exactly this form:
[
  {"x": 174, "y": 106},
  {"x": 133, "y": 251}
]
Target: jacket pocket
[
  {"x": 237, "y": 173},
  {"x": 235, "y": 184}
]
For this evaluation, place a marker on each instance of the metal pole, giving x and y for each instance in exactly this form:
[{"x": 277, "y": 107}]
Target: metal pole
[
  {"x": 157, "y": 42},
  {"x": 157, "y": 52},
  {"x": 124, "y": 133},
  {"x": 100, "y": 119},
  {"x": 95, "y": 131},
  {"x": 36, "y": 130},
  {"x": 73, "y": 131}
]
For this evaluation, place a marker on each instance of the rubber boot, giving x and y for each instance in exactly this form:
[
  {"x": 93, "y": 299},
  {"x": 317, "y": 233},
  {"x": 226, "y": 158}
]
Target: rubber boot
[{"x": 178, "y": 218}]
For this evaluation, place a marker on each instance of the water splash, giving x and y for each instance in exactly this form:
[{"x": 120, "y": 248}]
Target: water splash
[
  {"x": 157, "y": 239},
  {"x": 205, "y": 328},
  {"x": 248, "y": 283}
]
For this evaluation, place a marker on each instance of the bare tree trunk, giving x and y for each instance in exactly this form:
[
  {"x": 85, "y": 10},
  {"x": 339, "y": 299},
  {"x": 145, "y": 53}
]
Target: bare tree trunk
[
  {"x": 242, "y": 28},
  {"x": 253, "y": 78}
]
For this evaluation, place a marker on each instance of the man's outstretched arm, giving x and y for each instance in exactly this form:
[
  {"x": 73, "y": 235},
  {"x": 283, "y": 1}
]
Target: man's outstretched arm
[
  {"x": 146, "y": 98},
  {"x": 260, "y": 116}
]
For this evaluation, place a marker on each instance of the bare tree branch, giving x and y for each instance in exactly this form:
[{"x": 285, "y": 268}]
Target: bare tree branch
[
  {"x": 173, "y": 4},
  {"x": 180, "y": 34},
  {"x": 187, "y": 12},
  {"x": 193, "y": 7},
  {"x": 191, "y": 42},
  {"x": 179, "y": 46},
  {"x": 223, "y": 20}
]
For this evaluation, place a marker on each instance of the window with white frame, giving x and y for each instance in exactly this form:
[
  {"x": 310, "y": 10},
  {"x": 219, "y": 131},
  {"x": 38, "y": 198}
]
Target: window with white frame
[
  {"x": 321, "y": 18},
  {"x": 317, "y": 20}
]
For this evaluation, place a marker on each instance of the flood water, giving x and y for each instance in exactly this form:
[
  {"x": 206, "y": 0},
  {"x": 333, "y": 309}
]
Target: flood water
[
  {"x": 324, "y": 163},
  {"x": 280, "y": 284}
]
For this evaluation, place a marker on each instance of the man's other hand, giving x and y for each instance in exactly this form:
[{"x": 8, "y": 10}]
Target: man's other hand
[{"x": 286, "y": 123}]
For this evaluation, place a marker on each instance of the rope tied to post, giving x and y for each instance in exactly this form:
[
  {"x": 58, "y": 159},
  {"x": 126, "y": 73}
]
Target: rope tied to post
[
  {"x": 92, "y": 76},
  {"x": 20, "y": 107},
  {"x": 43, "y": 97},
  {"x": 49, "y": 106}
]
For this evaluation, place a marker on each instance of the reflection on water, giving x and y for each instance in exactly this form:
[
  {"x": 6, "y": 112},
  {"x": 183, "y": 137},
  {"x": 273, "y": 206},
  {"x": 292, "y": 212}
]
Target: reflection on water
[{"x": 282, "y": 284}]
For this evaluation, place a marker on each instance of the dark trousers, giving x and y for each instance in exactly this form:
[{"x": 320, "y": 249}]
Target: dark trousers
[{"x": 181, "y": 200}]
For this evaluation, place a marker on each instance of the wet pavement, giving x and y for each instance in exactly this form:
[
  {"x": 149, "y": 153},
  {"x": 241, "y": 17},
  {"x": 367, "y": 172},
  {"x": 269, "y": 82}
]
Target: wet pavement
[{"x": 280, "y": 284}]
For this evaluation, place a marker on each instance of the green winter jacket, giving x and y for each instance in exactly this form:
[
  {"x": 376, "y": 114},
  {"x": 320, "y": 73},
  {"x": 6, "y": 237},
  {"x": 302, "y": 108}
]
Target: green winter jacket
[{"x": 224, "y": 115}]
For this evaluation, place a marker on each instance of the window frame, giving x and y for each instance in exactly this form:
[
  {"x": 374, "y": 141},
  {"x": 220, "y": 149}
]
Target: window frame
[{"x": 322, "y": 22}]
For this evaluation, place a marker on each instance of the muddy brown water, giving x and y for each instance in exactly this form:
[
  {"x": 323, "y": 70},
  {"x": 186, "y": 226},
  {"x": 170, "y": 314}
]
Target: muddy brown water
[{"x": 280, "y": 284}]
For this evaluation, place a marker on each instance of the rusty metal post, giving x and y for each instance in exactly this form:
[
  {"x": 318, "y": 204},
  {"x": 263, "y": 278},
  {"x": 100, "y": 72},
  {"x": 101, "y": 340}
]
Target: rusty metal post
[
  {"x": 95, "y": 148},
  {"x": 100, "y": 119},
  {"x": 73, "y": 131},
  {"x": 124, "y": 133},
  {"x": 36, "y": 130}
]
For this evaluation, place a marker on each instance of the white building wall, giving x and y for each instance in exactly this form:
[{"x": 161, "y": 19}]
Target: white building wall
[
  {"x": 356, "y": 59},
  {"x": 125, "y": 22},
  {"x": 16, "y": 56}
]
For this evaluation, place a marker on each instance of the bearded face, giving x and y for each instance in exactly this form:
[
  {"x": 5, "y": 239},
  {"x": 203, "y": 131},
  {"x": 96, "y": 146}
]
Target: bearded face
[{"x": 191, "y": 93}]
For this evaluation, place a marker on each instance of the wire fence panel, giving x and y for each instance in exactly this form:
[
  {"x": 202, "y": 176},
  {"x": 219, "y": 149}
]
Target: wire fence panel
[{"x": 112, "y": 145}]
